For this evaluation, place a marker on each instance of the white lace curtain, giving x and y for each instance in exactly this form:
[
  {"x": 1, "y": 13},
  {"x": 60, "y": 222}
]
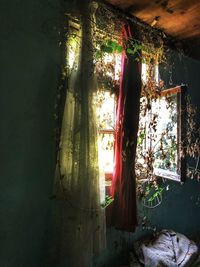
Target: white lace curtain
[{"x": 83, "y": 227}]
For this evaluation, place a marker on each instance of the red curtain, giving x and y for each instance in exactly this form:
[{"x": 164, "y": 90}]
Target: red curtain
[{"x": 124, "y": 214}]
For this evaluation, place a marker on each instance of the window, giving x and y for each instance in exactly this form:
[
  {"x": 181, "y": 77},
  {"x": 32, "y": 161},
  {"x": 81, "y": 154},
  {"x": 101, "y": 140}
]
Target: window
[
  {"x": 108, "y": 73},
  {"x": 160, "y": 134},
  {"x": 106, "y": 128},
  {"x": 152, "y": 71},
  {"x": 161, "y": 119}
]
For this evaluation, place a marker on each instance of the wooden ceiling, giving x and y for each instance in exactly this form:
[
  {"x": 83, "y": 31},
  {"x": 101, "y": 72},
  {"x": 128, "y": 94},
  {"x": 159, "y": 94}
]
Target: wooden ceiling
[{"x": 178, "y": 18}]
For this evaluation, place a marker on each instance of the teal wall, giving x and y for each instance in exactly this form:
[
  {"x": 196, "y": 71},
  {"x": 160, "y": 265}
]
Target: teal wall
[{"x": 30, "y": 62}]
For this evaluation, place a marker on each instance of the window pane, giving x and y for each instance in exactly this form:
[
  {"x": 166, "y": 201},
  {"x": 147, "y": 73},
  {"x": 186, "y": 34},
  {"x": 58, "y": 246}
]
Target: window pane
[
  {"x": 158, "y": 135},
  {"x": 150, "y": 72},
  {"x": 165, "y": 141},
  {"x": 105, "y": 108},
  {"x": 105, "y": 103},
  {"x": 105, "y": 144}
]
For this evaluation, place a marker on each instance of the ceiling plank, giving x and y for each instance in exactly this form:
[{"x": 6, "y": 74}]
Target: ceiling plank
[{"x": 178, "y": 18}]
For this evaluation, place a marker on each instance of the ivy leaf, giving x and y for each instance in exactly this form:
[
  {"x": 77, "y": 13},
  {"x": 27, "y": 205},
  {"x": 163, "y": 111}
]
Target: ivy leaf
[
  {"x": 110, "y": 46},
  {"x": 119, "y": 48},
  {"x": 113, "y": 44},
  {"x": 107, "y": 202},
  {"x": 106, "y": 49},
  {"x": 130, "y": 51},
  {"x": 141, "y": 138},
  {"x": 98, "y": 54}
]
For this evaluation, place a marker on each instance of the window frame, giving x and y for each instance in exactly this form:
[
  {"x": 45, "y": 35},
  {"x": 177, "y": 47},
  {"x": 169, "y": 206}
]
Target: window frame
[{"x": 180, "y": 175}]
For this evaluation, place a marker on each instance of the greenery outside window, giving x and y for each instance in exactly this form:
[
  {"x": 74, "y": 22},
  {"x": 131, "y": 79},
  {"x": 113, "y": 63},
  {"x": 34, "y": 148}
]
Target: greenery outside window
[{"x": 160, "y": 136}]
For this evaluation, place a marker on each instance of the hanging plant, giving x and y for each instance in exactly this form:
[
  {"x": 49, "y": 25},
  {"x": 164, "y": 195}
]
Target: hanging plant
[
  {"x": 190, "y": 146},
  {"x": 107, "y": 65}
]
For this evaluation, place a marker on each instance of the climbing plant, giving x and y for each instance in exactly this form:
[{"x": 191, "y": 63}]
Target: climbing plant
[{"x": 150, "y": 49}]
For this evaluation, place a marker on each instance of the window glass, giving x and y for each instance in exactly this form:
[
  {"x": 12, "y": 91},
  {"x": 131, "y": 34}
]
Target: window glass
[{"x": 159, "y": 135}]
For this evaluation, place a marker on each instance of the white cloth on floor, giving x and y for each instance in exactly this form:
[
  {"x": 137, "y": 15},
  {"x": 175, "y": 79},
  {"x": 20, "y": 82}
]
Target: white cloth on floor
[{"x": 169, "y": 249}]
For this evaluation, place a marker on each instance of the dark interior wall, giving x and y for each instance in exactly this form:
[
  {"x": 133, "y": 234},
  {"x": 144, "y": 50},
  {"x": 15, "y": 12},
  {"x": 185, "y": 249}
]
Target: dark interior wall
[{"x": 30, "y": 62}]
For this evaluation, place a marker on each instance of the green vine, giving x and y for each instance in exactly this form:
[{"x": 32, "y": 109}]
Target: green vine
[{"x": 108, "y": 200}]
